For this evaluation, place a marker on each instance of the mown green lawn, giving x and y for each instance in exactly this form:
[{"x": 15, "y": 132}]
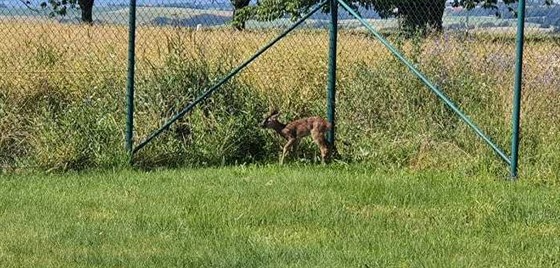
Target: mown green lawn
[{"x": 292, "y": 216}]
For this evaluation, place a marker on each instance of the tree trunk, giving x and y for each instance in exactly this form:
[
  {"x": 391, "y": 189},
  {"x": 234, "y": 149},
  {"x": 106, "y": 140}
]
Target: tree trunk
[
  {"x": 421, "y": 14},
  {"x": 87, "y": 10},
  {"x": 435, "y": 17},
  {"x": 239, "y": 23}
]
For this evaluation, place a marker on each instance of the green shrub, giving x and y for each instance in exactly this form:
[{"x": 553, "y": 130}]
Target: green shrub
[{"x": 223, "y": 129}]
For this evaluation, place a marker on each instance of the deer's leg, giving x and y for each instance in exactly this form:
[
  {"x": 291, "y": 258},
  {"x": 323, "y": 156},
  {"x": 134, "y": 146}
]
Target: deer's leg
[
  {"x": 287, "y": 149},
  {"x": 319, "y": 139},
  {"x": 294, "y": 148}
]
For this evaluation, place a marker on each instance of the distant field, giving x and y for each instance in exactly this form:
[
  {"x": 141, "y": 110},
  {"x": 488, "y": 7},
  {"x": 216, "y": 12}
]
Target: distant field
[{"x": 270, "y": 216}]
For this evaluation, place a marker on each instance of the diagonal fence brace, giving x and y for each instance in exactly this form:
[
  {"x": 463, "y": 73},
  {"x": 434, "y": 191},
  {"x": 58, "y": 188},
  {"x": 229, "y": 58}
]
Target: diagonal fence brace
[
  {"x": 214, "y": 88},
  {"x": 428, "y": 83}
]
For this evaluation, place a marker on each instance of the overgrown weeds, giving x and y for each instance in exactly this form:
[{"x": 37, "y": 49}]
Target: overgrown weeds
[{"x": 58, "y": 120}]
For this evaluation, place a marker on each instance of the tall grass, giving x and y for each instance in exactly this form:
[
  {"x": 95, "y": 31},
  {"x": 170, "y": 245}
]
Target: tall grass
[{"x": 62, "y": 98}]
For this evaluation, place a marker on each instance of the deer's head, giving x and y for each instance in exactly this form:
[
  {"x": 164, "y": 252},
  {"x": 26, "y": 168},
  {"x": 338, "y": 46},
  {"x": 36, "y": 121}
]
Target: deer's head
[{"x": 271, "y": 119}]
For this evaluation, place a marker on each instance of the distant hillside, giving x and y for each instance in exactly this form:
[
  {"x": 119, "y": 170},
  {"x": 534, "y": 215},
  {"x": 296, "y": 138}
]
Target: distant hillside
[
  {"x": 198, "y": 5},
  {"x": 176, "y": 16},
  {"x": 542, "y": 15},
  {"x": 193, "y": 21}
]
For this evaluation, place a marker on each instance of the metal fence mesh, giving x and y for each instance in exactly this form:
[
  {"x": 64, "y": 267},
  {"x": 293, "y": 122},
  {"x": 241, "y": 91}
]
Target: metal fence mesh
[{"x": 63, "y": 83}]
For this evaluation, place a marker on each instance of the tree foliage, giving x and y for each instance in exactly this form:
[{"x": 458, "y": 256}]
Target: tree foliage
[
  {"x": 238, "y": 5},
  {"x": 60, "y": 8},
  {"x": 415, "y": 14},
  {"x": 491, "y": 4}
]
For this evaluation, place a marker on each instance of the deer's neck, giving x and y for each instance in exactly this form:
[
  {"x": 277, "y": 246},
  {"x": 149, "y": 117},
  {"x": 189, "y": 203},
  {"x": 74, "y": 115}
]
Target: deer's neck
[{"x": 278, "y": 127}]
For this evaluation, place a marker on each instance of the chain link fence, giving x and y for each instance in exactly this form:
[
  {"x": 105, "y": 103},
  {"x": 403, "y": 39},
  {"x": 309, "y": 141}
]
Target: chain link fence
[{"x": 64, "y": 76}]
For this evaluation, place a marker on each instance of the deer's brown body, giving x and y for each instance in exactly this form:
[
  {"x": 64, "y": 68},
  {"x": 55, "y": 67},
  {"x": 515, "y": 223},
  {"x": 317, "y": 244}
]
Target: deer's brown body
[{"x": 293, "y": 132}]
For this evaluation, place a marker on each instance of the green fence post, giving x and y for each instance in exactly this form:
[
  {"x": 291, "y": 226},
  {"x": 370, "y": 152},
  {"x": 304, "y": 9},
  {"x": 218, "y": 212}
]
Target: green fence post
[
  {"x": 331, "y": 95},
  {"x": 517, "y": 89},
  {"x": 130, "y": 79}
]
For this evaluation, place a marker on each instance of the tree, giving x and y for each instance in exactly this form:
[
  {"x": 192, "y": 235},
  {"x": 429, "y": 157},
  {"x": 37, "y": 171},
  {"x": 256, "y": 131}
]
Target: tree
[
  {"x": 61, "y": 8},
  {"x": 416, "y": 15},
  {"x": 239, "y": 5}
]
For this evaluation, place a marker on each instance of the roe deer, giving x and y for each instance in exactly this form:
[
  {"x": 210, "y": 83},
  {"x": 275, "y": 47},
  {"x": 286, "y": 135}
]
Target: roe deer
[{"x": 295, "y": 130}]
